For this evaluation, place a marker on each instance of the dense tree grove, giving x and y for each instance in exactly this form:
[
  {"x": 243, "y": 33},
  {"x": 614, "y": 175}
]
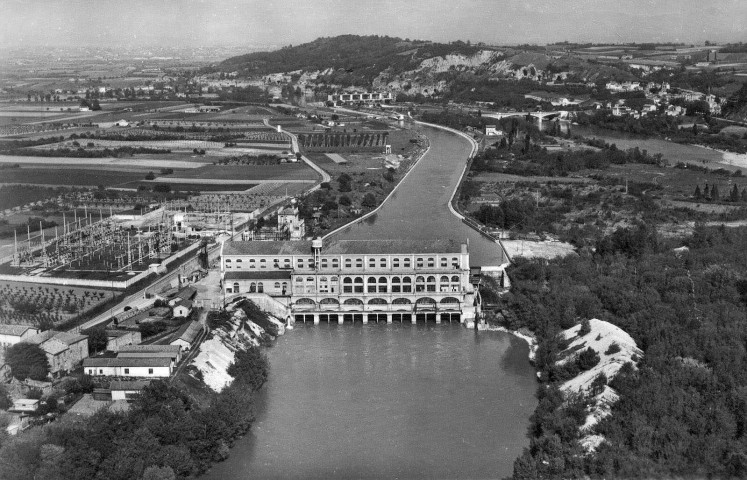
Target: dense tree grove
[
  {"x": 27, "y": 360},
  {"x": 165, "y": 434},
  {"x": 683, "y": 412}
]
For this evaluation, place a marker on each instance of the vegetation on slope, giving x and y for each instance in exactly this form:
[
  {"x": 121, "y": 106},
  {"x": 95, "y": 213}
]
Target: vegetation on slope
[
  {"x": 355, "y": 59},
  {"x": 165, "y": 432},
  {"x": 683, "y": 412}
]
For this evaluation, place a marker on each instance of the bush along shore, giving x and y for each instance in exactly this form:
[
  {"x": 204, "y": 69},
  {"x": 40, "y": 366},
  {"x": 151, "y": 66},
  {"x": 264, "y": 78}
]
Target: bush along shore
[
  {"x": 165, "y": 434},
  {"x": 641, "y": 356}
]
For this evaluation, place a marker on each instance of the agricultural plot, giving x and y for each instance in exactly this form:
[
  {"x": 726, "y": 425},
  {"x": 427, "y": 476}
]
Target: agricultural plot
[
  {"x": 162, "y": 161},
  {"x": 173, "y": 145},
  {"x": 197, "y": 186},
  {"x": 282, "y": 172},
  {"x": 66, "y": 176},
  {"x": 35, "y": 304}
]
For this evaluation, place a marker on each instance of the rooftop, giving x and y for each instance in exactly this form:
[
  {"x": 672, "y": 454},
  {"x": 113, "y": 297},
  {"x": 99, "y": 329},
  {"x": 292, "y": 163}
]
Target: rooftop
[
  {"x": 187, "y": 293},
  {"x": 151, "y": 348},
  {"x": 62, "y": 337},
  {"x": 343, "y": 247},
  {"x": 171, "y": 355},
  {"x": 184, "y": 303},
  {"x": 14, "y": 329},
  {"x": 188, "y": 332},
  {"x": 127, "y": 362}
]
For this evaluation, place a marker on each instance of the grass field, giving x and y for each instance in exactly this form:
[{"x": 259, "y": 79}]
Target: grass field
[
  {"x": 192, "y": 187},
  {"x": 676, "y": 181},
  {"x": 67, "y": 176},
  {"x": 285, "y": 171}
]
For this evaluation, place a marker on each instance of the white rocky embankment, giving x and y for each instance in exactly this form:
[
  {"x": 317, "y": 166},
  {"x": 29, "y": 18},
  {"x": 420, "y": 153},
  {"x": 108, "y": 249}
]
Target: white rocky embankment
[
  {"x": 217, "y": 353},
  {"x": 600, "y": 338}
]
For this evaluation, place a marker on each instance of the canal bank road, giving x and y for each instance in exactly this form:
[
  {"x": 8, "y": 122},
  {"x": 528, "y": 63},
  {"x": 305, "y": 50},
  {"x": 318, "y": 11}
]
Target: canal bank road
[{"x": 418, "y": 209}]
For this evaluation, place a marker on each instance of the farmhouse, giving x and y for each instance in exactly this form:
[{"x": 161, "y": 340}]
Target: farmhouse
[
  {"x": 156, "y": 367},
  {"x": 117, "y": 339},
  {"x": 27, "y": 405},
  {"x": 64, "y": 350},
  {"x": 187, "y": 293},
  {"x": 492, "y": 131},
  {"x": 398, "y": 280},
  {"x": 12, "y": 334},
  {"x": 182, "y": 309},
  {"x": 187, "y": 334}
]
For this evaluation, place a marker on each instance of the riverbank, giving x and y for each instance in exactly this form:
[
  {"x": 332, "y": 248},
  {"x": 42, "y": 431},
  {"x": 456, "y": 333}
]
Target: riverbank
[{"x": 524, "y": 334}]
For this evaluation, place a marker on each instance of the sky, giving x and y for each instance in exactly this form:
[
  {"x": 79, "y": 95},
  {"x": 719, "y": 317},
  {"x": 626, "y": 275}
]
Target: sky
[{"x": 190, "y": 23}]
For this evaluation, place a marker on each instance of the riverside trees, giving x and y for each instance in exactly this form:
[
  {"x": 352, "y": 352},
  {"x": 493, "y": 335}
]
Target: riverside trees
[
  {"x": 165, "y": 432},
  {"x": 683, "y": 411}
]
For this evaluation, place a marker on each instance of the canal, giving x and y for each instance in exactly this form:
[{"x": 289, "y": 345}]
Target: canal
[
  {"x": 418, "y": 208},
  {"x": 388, "y": 401},
  {"x": 399, "y": 400}
]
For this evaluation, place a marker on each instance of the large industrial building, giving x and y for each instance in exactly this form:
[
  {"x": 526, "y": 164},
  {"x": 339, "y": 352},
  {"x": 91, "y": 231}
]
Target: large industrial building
[
  {"x": 352, "y": 98},
  {"x": 355, "y": 280}
]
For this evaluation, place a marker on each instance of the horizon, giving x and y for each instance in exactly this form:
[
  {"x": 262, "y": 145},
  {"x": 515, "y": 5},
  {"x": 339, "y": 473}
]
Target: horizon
[{"x": 267, "y": 24}]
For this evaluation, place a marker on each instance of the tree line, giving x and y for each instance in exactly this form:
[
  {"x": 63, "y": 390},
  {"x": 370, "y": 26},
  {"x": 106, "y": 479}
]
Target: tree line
[
  {"x": 166, "y": 433},
  {"x": 683, "y": 411}
]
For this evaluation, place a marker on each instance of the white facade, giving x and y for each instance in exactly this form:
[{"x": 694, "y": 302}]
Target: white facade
[
  {"x": 348, "y": 98},
  {"x": 128, "y": 367},
  {"x": 12, "y": 334},
  {"x": 348, "y": 278}
]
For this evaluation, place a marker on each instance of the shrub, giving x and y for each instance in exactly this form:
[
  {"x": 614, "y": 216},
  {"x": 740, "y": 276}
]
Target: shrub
[
  {"x": 587, "y": 359},
  {"x": 369, "y": 200},
  {"x": 613, "y": 348},
  {"x": 585, "y": 328},
  {"x": 249, "y": 367},
  {"x": 27, "y": 360}
]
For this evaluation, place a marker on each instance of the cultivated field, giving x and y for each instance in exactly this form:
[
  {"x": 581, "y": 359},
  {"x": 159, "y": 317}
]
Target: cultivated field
[
  {"x": 33, "y": 304},
  {"x": 282, "y": 172},
  {"x": 67, "y": 176}
]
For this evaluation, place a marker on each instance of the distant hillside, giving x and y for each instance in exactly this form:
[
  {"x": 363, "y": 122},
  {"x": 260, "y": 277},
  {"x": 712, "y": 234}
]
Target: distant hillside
[{"x": 347, "y": 59}]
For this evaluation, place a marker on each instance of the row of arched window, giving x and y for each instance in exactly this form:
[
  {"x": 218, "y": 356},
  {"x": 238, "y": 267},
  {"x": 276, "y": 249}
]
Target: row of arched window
[
  {"x": 377, "y": 301},
  {"x": 259, "y": 287},
  {"x": 400, "y": 284}
]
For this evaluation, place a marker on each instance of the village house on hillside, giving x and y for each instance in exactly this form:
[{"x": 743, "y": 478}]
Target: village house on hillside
[
  {"x": 156, "y": 367},
  {"x": 12, "y": 334},
  {"x": 64, "y": 350},
  {"x": 116, "y": 339}
]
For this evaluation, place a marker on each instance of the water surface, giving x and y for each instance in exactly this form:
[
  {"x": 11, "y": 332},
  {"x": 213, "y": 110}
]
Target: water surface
[
  {"x": 388, "y": 401},
  {"x": 418, "y": 209}
]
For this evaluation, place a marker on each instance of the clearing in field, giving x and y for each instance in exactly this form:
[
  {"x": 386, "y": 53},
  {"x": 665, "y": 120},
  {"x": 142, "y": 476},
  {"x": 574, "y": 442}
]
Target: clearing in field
[
  {"x": 282, "y": 172},
  {"x": 335, "y": 157}
]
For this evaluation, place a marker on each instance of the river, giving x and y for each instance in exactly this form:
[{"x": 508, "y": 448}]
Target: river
[
  {"x": 418, "y": 208},
  {"x": 674, "y": 152},
  {"x": 395, "y": 401},
  {"x": 388, "y": 401}
]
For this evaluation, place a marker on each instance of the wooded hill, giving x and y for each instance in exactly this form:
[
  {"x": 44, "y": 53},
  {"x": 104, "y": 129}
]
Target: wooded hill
[{"x": 355, "y": 59}]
